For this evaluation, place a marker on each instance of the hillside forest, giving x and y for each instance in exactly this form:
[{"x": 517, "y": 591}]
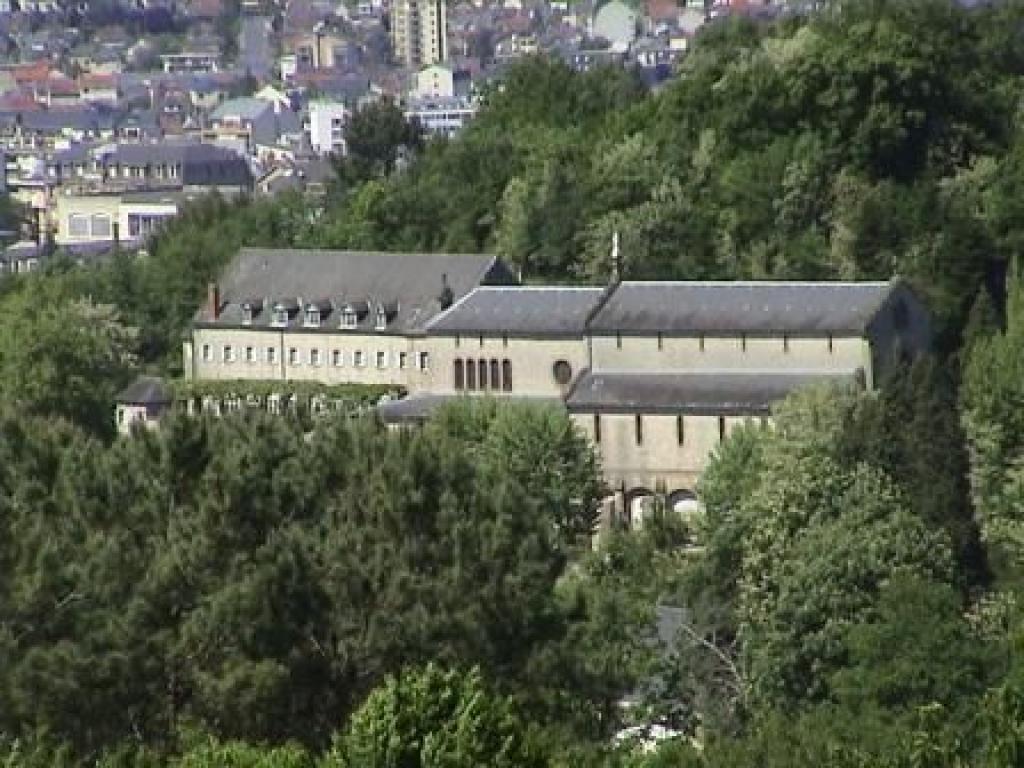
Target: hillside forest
[{"x": 261, "y": 592}]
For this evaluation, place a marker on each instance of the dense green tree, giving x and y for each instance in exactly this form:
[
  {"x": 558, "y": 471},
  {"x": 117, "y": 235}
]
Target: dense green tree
[
  {"x": 432, "y": 718},
  {"x": 916, "y": 651},
  {"x": 62, "y": 355},
  {"x": 376, "y": 137},
  {"x": 992, "y": 388},
  {"x": 542, "y": 449}
]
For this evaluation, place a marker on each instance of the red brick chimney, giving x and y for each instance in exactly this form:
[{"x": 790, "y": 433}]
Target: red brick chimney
[{"x": 213, "y": 300}]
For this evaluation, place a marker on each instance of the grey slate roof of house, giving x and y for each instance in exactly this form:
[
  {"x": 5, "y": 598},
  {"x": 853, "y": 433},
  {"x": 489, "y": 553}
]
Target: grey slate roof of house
[
  {"x": 410, "y": 287},
  {"x": 754, "y": 307},
  {"x": 244, "y": 109},
  {"x": 720, "y": 393},
  {"x": 201, "y": 164},
  {"x": 520, "y": 310},
  {"x": 145, "y": 390},
  {"x": 85, "y": 118}
]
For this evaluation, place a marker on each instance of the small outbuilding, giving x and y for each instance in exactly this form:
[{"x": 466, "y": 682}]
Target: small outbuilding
[{"x": 143, "y": 402}]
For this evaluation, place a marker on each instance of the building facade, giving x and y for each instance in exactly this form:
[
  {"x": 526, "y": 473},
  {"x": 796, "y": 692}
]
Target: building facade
[
  {"x": 656, "y": 374},
  {"x": 128, "y": 217},
  {"x": 331, "y": 316},
  {"x": 326, "y": 127},
  {"x": 419, "y": 32}
]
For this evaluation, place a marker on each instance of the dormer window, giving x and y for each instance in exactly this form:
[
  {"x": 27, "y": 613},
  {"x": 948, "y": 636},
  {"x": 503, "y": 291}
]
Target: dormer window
[
  {"x": 353, "y": 313},
  {"x": 283, "y": 311},
  {"x": 385, "y": 312},
  {"x": 250, "y": 309},
  {"x": 315, "y": 313}
]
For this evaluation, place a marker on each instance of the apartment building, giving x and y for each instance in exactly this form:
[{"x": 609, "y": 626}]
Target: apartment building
[
  {"x": 325, "y": 126},
  {"x": 419, "y": 32}
]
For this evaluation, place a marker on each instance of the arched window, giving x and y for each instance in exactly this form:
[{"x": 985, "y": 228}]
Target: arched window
[
  {"x": 470, "y": 374},
  {"x": 460, "y": 378},
  {"x": 483, "y": 373},
  {"x": 506, "y": 375},
  {"x": 495, "y": 375}
]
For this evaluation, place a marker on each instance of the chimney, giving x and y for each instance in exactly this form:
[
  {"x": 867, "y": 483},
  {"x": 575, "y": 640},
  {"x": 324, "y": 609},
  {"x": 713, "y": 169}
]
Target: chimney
[
  {"x": 616, "y": 259},
  {"x": 446, "y": 297},
  {"x": 213, "y": 300}
]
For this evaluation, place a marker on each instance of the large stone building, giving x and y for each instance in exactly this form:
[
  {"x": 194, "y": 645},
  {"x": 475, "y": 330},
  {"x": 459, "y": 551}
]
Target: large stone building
[
  {"x": 419, "y": 32},
  {"x": 655, "y": 373},
  {"x": 331, "y": 316}
]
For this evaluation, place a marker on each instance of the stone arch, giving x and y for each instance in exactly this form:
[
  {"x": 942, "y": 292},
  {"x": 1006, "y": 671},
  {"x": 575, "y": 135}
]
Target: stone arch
[{"x": 683, "y": 501}]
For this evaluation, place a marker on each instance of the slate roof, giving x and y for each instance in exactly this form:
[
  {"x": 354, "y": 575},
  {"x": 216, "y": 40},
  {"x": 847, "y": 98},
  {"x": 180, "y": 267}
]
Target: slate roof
[
  {"x": 555, "y": 311},
  {"x": 146, "y": 390},
  {"x": 410, "y": 287},
  {"x": 244, "y": 109},
  {"x": 739, "y": 307},
  {"x": 56, "y": 120},
  {"x": 201, "y": 164},
  {"x": 718, "y": 393}
]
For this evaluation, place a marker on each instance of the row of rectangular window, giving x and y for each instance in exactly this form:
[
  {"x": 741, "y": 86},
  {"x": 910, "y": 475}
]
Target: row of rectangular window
[
  {"x": 471, "y": 375},
  {"x": 638, "y": 428},
  {"x": 315, "y": 358},
  {"x": 700, "y": 342},
  {"x": 312, "y": 318}
]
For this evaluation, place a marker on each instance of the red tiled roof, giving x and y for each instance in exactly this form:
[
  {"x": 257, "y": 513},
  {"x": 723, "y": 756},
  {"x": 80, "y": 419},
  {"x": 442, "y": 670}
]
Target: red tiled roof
[
  {"x": 662, "y": 10},
  {"x": 61, "y": 86},
  {"x": 98, "y": 81},
  {"x": 19, "y": 102},
  {"x": 35, "y": 72}
]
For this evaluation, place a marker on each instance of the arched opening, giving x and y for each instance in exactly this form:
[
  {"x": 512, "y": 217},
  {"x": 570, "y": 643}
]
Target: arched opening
[
  {"x": 683, "y": 501},
  {"x": 640, "y": 503}
]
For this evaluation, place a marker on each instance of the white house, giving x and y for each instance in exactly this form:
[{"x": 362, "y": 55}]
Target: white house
[{"x": 326, "y": 127}]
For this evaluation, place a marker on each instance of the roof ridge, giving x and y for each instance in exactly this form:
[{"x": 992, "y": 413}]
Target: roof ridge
[
  {"x": 745, "y": 372},
  {"x": 544, "y": 287},
  {"x": 358, "y": 252},
  {"x": 761, "y": 283}
]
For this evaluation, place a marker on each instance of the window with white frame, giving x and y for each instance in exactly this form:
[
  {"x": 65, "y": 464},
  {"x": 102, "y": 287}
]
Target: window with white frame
[
  {"x": 424, "y": 361},
  {"x": 280, "y": 316},
  {"x": 101, "y": 225},
  {"x": 250, "y": 354},
  {"x": 403, "y": 360},
  {"x": 78, "y": 225},
  {"x": 314, "y": 357},
  {"x": 207, "y": 353},
  {"x": 337, "y": 360},
  {"x": 271, "y": 355},
  {"x": 293, "y": 356},
  {"x": 349, "y": 319},
  {"x": 382, "y": 359},
  {"x": 382, "y": 319},
  {"x": 312, "y": 317},
  {"x": 357, "y": 358},
  {"x": 228, "y": 354}
]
